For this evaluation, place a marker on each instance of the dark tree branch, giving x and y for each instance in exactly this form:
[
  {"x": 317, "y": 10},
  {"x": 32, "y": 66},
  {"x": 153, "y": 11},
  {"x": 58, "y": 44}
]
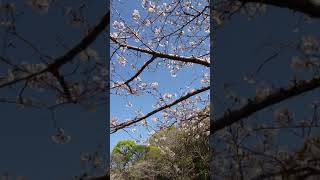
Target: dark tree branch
[
  {"x": 128, "y": 123},
  {"x": 85, "y": 42},
  {"x": 257, "y": 105},
  {"x": 194, "y": 60},
  {"x": 136, "y": 74},
  {"x": 60, "y": 61},
  {"x": 184, "y": 25},
  {"x": 293, "y": 171},
  {"x": 303, "y": 6},
  {"x": 105, "y": 177},
  {"x": 55, "y": 73},
  {"x": 21, "y": 92}
]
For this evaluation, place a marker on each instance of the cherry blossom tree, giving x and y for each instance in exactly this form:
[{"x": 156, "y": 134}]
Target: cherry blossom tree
[{"x": 160, "y": 36}]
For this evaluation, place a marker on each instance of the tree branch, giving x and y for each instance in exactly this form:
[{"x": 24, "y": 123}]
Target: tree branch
[
  {"x": 194, "y": 60},
  {"x": 105, "y": 177},
  {"x": 136, "y": 74},
  {"x": 58, "y": 62},
  {"x": 63, "y": 83},
  {"x": 254, "y": 106},
  {"x": 128, "y": 123},
  {"x": 303, "y": 6},
  {"x": 309, "y": 170}
]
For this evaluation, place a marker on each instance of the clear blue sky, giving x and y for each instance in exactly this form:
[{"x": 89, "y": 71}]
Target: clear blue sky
[{"x": 161, "y": 75}]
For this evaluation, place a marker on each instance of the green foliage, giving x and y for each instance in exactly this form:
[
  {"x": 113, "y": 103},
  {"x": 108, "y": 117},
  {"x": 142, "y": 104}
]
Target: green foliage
[
  {"x": 126, "y": 153},
  {"x": 125, "y": 148},
  {"x": 176, "y": 152}
]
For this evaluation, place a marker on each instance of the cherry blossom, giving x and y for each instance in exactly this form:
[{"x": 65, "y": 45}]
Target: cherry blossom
[
  {"x": 136, "y": 15},
  {"x": 61, "y": 137}
]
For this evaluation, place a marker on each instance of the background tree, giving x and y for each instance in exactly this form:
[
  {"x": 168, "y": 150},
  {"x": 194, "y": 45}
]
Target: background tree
[{"x": 126, "y": 152}]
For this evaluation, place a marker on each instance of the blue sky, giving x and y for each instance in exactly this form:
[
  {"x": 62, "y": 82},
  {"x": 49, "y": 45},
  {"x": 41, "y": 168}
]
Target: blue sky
[
  {"x": 168, "y": 84},
  {"x": 161, "y": 75}
]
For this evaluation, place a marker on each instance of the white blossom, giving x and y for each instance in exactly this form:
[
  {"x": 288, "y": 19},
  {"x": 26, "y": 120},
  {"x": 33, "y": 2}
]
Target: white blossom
[
  {"x": 173, "y": 73},
  {"x": 310, "y": 45},
  {"x": 205, "y": 78},
  {"x": 207, "y": 133},
  {"x": 61, "y": 137},
  {"x": 283, "y": 115},
  {"x": 152, "y": 8},
  {"x": 85, "y": 157},
  {"x": 167, "y": 96},
  {"x": 154, "y": 119},
  {"x": 136, "y": 15},
  {"x": 165, "y": 115},
  {"x": 114, "y": 121},
  {"x": 40, "y": 6},
  {"x": 262, "y": 92},
  {"x": 129, "y": 105},
  {"x": 249, "y": 78},
  {"x": 118, "y": 25},
  {"x": 154, "y": 85},
  {"x": 157, "y": 31},
  {"x": 147, "y": 22},
  {"x": 122, "y": 60}
]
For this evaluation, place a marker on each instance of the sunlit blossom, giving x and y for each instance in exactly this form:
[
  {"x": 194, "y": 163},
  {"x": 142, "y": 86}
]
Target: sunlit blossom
[
  {"x": 154, "y": 85},
  {"x": 136, "y": 15},
  {"x": 154, "y": 119},
  {"x": 122, "y": 60}
]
